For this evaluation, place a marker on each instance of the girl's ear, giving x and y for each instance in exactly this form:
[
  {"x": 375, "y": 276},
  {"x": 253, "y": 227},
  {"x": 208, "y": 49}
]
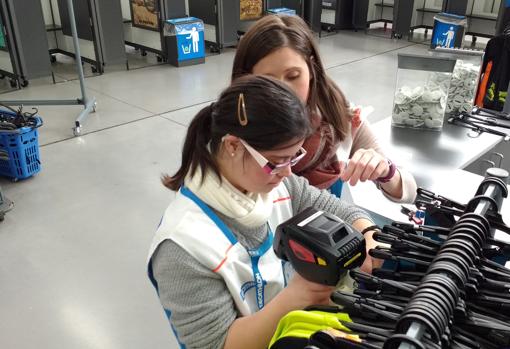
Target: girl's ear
[{"x": 231, "y": 144}]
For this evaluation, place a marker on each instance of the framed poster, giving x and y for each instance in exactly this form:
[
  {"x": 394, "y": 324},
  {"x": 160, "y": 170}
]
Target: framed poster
[
  {"x": 145, "y": 14},
  {"x": 251, "y": 9}
]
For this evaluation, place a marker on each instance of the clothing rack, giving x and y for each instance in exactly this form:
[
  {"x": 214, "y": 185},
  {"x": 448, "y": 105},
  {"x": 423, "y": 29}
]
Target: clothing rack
[
  {"x": 445, "y": 272},
  {"x": 88, "y": 104},
  {"x": 506, "y": 107}
]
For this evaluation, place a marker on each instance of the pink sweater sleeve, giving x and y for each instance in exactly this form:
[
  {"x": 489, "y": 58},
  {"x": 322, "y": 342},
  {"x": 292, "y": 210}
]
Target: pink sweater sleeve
[{"x": 364, "y": 138}]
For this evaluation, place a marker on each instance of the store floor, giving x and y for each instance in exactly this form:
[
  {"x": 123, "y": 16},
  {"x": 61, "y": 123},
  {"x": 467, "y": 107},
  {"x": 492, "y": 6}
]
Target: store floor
[{"x": 73, "y": 251}]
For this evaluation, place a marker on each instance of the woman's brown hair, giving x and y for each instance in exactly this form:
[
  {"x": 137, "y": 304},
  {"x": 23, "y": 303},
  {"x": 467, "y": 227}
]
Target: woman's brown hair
[
  {"x": 274, "y": 32},
  {"x": 271, "y": 116}
]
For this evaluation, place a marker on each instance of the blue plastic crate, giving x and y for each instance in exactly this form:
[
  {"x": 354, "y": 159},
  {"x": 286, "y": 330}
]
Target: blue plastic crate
[{"x": 19, "y": 151}]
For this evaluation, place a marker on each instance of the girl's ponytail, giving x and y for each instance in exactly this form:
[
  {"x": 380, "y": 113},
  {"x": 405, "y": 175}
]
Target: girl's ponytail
[{"x": 195, "y": 152}]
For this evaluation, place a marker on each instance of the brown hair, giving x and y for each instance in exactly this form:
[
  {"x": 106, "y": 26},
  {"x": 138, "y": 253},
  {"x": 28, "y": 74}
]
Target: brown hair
[
  {"x": 275, "y": 116},
  {"x": 274, "y": 32}
]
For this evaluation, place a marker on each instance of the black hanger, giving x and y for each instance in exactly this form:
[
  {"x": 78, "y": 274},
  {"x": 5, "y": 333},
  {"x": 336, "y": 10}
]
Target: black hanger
[
  {"x": 429, "y": 199},
  {"x": 484, "y": 120},
  {"x": 507, "y": 29},
  {"x": 471, "y": 339},
  {"x": 333, "y": 339},
  {"x": 456, "y": 120},
  {"x": 409, "y": 232},
  {"x": 365, "y": 308},
  {"x": 387, "y": 254},
  {"x": 404, "y": 276},
  {"x": 398, "y": 288},
  {"x": 490, "y": 112},
  {"x": 401, "y": 244}
]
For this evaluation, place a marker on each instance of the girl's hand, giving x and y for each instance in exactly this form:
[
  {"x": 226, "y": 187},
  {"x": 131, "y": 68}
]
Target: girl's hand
[
  {"x": 370, "y": 262},
  {"x": 303, "y": 293}
]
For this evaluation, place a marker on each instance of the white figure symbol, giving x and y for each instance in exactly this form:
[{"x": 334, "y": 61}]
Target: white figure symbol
[
  {"x": 450, "y": 34},
  {"x": 195, "y": 38}
]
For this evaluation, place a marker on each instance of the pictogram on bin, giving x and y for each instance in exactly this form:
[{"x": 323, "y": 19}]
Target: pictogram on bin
[{"x": 448, "y": 30}]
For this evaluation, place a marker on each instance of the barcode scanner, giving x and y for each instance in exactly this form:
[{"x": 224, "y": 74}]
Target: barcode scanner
[{"x": 320, "y": 246}]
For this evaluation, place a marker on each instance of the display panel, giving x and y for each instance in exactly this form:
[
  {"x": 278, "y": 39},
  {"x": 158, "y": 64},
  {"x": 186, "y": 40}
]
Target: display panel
[
  {"x": 145, "y": 14},
  {"x": 251, "y": 9}
]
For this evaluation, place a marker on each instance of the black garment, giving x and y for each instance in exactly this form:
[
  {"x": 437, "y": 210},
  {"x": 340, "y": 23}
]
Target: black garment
[{"x": 497, "y": 51}]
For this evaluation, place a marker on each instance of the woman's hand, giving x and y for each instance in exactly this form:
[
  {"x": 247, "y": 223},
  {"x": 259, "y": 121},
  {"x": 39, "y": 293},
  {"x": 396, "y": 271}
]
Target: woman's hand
[
  {"x": 304, "y": 293},
  {"x": 365, "y": 164}
]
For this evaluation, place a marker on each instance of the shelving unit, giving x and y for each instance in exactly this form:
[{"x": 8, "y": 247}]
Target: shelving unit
[
  {"x": 25, "y": 54},
  {"x": 424, "y": 14},
  {"x": 88, "y": 104},
  {"x": 380, "y": 11},
  {"x": 482, "y": 17},
  {"x": 99, "y": 29}
]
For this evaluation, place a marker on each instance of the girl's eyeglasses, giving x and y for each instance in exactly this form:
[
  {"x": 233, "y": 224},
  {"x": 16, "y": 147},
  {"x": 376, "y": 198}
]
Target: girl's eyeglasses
[{"x": 268, "y": 166}]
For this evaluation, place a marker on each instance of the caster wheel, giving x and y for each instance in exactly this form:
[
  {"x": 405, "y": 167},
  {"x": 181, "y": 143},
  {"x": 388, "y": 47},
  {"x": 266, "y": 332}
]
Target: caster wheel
[
  {"x": 94, "y": 107},
  {"x": 159, "y": 59},
  {"x": 93, "y": 69},
  {"x": 53, "y": 59},
  {"x": 13, "y": 82},
  {"x": 214, "y": 49},
  {"x": 2, "y": 218},
  {"x": 2, "y": 76},
  {"x": 426, "y": 32},
  {"x": 397, "y": 36},
  {"x": 143, "y": 53},
  {"x": 77, "y": 131},
  {"x": 24, "y": 83}
]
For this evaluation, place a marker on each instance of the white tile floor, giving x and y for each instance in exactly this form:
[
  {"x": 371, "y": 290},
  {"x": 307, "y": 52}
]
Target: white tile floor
[{"x": 73, "y": 250}]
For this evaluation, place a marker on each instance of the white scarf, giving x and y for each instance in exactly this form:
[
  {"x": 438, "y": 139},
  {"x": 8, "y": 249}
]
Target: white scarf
[{"x": 251, "y": 209}]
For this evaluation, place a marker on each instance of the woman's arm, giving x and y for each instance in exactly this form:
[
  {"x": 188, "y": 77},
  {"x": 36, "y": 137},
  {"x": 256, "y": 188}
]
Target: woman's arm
[{"x": 368, "y": 162}]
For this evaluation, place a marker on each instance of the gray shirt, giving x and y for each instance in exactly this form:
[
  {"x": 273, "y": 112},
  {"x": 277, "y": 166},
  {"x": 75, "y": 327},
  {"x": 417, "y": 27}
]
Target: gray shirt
[{"x": 201, "y": 306}]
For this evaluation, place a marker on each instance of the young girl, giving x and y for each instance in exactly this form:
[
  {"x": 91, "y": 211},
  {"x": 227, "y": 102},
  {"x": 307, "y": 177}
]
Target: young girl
[
  {"x": 342, "y": 146},
  {"x": 212, "y": 260}
]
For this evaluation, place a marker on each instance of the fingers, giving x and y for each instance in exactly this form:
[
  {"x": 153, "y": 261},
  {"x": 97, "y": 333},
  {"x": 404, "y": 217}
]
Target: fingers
[
  {"x": 351, "y": 166},
  {"x": 365, "y": 164}
]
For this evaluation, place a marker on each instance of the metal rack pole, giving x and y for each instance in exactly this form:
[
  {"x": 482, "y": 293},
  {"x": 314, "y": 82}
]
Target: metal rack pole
[{"x": 89, "y": 104}]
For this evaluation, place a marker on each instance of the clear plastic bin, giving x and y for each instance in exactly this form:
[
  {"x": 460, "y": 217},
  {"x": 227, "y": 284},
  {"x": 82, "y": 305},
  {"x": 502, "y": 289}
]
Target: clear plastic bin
[
  {"x": 465, "y": 77},
  {"x": 421, "y": 91}
]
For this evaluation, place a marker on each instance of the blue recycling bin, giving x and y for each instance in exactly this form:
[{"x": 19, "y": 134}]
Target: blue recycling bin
[
  {"x": 448, "y": 30},
  {"x": 184, "y": 40}
]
